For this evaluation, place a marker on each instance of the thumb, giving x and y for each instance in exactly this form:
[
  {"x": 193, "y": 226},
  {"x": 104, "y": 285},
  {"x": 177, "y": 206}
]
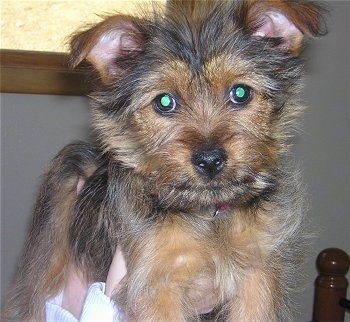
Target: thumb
[{"x": 116, "y": 273}]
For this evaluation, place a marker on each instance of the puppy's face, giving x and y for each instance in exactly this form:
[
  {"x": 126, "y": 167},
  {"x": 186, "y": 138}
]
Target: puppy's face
[
  {"x": 200, "y": 107},
  {"x": 208, "y": 137}
]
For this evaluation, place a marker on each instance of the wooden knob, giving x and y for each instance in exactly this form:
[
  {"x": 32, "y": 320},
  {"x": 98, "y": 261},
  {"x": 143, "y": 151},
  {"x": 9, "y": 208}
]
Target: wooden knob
[
  {"x": 330, "y": 285},
  {"x": 333, "y": 261}
]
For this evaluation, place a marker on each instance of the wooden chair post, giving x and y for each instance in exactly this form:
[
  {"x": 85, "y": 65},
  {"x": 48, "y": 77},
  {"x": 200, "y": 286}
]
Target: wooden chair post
[{"x": 331, "y": 285}]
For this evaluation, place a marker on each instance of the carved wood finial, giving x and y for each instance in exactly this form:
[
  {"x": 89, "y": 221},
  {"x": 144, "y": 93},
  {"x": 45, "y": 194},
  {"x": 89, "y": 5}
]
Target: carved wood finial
[{"x": 330, "y": 285}]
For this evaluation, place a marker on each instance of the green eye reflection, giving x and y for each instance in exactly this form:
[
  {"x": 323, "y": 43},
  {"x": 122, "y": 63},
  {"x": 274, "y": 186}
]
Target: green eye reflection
[
  {"x": 240, "y": 95},
  {"x": 164, "y": 103},
  {"x": 241, "y": 92}
]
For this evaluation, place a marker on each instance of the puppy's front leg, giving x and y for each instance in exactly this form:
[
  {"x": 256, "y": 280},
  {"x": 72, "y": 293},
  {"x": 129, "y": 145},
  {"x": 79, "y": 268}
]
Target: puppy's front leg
[
  {"x": 257, "y": 298},
  {"x": 163, "y": 269}
]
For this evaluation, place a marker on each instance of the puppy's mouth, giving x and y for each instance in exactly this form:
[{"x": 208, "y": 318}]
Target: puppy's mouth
[{"x": 217, "y": 196}]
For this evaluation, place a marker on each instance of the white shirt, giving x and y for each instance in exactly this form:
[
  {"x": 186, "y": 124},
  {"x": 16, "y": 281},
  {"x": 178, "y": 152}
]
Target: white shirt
[{"x": 97, "y": 307}]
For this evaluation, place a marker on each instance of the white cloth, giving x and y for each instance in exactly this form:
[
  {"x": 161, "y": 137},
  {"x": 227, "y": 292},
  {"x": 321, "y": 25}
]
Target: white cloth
[{"x": 97, "y": 307}]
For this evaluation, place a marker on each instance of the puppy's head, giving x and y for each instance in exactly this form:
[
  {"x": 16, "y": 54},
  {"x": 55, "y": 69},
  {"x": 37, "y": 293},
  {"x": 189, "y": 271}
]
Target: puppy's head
[{"x": 198, "y": 97}]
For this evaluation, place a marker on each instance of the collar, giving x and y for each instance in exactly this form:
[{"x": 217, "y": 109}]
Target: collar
[{"x": 220, "y": 208}]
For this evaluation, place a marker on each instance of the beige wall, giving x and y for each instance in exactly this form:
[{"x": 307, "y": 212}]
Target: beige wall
[{"x": 46, "y": 25}]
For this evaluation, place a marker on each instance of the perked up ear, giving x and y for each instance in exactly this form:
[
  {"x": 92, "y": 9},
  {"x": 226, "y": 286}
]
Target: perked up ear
[
  {"x": 109, "y": 46},
  {"x": 289, "y": 21}
]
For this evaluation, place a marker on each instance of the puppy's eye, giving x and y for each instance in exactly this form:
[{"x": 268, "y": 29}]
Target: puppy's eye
[
  {"x": 164, "y": 103},
  {"x": 240, "y": 95}
]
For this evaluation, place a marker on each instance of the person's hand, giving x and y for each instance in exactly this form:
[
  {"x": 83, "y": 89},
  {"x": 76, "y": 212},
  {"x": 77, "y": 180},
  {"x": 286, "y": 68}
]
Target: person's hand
[{"x": 202, "y": 294}]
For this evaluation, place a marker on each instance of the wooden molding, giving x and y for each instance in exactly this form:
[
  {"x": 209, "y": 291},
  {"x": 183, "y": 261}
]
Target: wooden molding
[{"x": 34, "y": 72}]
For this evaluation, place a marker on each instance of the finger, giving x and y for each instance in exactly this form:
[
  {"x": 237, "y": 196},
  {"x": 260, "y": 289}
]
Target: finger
[
  {"x": 116, "y": 273},
  {"x": 80, "y": 184},
  {"x": 74, "y": 291}
]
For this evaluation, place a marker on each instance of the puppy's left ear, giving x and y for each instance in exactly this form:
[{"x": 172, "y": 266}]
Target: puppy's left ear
[{"x": 286, "y": 21}]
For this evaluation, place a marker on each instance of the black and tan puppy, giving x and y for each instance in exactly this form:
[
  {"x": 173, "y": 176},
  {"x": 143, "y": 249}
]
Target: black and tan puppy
[{"x": 194, "y": 109}]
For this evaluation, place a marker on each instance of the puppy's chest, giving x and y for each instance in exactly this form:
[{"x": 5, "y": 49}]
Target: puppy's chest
[{"x": 224, "y": 233}]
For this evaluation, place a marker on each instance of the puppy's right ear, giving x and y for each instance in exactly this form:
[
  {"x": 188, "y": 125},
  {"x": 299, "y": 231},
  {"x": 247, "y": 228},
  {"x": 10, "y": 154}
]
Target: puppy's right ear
[{"x": 110, "y": 46}]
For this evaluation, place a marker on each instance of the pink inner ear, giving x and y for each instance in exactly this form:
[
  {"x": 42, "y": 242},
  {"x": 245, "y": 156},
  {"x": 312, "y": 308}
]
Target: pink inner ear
[
  {"x": 275, "y": 24},
  {"x": 108, "y": 46}
]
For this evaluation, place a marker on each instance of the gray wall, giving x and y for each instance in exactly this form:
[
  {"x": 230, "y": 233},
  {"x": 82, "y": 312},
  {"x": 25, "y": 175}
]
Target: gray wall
[
  {"x": 34, "y": 127},
  {"x": 324, "y": 145}
]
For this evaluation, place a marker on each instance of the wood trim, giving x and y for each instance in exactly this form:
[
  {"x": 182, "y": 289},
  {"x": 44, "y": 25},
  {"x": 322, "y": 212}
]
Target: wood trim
[{"x": 34, "y": 72}]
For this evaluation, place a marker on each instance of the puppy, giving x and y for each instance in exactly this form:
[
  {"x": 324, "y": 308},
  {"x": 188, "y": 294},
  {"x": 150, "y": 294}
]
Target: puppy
[{"x": 194, "y": 107}]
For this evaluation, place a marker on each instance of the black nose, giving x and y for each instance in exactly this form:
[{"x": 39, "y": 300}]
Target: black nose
[{"x": 209, "y": 162}]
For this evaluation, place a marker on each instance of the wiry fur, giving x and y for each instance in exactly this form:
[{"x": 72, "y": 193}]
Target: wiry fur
[{"x": 141, "y": 188}]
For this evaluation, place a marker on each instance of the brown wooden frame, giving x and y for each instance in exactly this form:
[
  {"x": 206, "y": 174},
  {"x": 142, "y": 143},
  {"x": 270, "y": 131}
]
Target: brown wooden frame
[{"x": 34, "y": 72}]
